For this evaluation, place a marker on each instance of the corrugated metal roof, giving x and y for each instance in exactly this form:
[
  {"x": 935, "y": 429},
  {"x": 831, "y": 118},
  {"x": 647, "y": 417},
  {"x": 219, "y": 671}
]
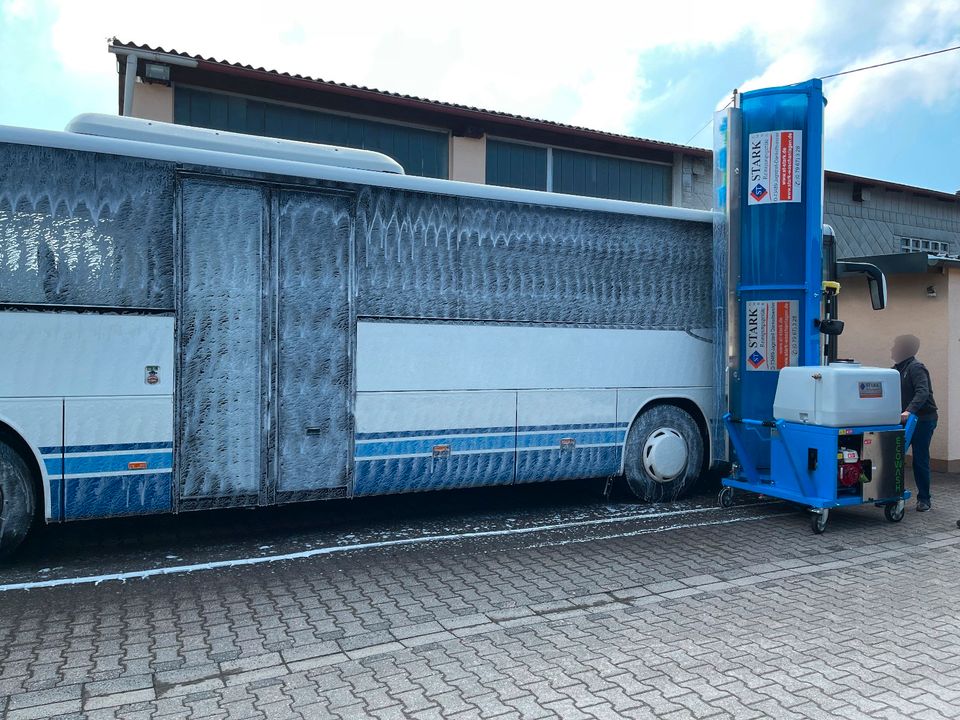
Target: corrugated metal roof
[{"x": 437, "y": 105}]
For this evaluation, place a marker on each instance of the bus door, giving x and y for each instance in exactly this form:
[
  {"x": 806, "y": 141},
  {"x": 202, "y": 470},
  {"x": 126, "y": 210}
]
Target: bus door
[
  {"x": 314, "y": 377},
  {"x": 264, "y": 337}
]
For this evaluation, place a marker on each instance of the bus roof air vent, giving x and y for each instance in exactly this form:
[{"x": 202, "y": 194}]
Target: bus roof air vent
[{"x": 161, "y": 133}]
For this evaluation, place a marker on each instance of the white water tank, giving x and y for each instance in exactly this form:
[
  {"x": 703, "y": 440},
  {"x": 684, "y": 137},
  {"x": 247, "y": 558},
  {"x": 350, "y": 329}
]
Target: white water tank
[{"x": 839, "y": 395}]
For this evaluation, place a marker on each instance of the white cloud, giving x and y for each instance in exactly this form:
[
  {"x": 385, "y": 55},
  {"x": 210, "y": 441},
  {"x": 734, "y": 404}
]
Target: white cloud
[
  {"x": 16, "y": 9},
  {"x": 574, "y": 63},
  {"x": 889, "y": 31}
]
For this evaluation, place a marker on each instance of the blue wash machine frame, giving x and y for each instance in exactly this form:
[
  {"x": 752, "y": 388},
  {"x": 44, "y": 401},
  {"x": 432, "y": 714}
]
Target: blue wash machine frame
[
  {"x": 804, "y": 468},
  {"x": 772, "y": 241}
]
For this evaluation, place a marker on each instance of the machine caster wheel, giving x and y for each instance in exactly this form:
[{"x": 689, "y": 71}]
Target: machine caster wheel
[
  {"x": 894, "y": 511},
  {"x": 725, "y": 498},
  {"x": 819, "y": 521}
]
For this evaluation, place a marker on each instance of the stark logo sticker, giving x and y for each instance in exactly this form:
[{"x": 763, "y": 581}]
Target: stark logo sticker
[
  {"x": 775, "y": 167},
  {"x": 756, "y": 359}
]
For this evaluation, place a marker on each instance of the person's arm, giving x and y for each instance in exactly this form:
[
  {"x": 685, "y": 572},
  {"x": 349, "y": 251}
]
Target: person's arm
[{"x": 921, "y": 388}]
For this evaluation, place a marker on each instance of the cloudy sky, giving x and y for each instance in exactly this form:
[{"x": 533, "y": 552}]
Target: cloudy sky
[{"x": 656, "y": 70}]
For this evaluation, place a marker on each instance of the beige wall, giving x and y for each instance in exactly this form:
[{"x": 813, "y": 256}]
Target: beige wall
[
  {"x": 153, "y": 101},
  {"x": 468, "y": 159},
  {"x": 868, "y": 335},
  {"x": 952, "y": 411}
]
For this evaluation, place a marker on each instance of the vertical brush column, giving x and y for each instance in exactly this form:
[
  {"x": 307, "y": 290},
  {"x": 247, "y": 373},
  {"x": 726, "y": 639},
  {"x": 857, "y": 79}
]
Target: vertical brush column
[
  {"x": 781, "y": 204},
  {"x": 726, "y": 270}
]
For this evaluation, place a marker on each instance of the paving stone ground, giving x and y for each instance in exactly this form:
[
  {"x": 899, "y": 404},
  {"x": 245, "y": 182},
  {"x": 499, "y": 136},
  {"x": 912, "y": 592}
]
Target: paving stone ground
[{"x": 739, "y": 613}]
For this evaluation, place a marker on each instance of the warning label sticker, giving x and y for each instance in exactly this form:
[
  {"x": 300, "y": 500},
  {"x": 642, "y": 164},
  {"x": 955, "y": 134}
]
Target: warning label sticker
[
  {"x": 772, "y": 334},
  {"x": 775, "y": 167}
]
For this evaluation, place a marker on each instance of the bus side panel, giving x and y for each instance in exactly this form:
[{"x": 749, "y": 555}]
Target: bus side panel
[
  {"x": 410, "y": 441},
  {"x": 563, "y": 434},
  {"x": 112, "y": 378},
  {"x": 39, "y": 421},
  {"x": 399, "y": 356},
  {"x": 118, "y": 456},
  {"x": 410, "y": 378}
]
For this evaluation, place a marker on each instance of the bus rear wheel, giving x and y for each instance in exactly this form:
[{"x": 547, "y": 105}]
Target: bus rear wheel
[
  {"x": 17, "y": 500},
  {"x": 664, "y": 453}
]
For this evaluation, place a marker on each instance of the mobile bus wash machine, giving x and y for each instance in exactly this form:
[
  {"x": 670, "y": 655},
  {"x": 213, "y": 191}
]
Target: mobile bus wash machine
[
  {"x": 194, "y": 319},
  {"x": 803, "y": 427}
]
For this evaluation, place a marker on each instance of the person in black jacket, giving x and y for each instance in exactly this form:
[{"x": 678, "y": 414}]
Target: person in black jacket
[{"x": 916, "y": 398}]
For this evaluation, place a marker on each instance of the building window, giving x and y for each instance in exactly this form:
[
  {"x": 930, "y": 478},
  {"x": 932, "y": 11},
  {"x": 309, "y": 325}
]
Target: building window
[
  {"x": 516, "y": 165},
  {"x": 420, "y": 152},
  {"x": 934, "y": 247},
  {"x": 578, "y": 173}
]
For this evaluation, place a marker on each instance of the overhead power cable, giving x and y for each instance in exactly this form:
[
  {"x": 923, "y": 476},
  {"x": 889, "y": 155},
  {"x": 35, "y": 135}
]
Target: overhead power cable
[
  {"x": 707, "y": 123},
  {"x": 890, "y": 62}
]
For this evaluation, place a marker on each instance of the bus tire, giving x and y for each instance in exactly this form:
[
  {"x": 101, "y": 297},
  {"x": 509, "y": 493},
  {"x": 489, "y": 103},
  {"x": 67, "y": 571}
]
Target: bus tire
[
  {"x": 17, "y": 499},
  {"x": 663, "y": 454}
]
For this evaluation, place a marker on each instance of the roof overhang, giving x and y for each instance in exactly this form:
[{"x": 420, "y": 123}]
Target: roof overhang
[
  {"x": 908, "y": 263},
  {"x": 839, "y": 177}
]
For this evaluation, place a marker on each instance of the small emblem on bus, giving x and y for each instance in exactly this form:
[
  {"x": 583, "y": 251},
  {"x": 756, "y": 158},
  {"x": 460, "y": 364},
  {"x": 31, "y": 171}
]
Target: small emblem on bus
[
  {"x": 151, "y": 374},
  {"x": 441, "y": 452},
  {"x": 567, "y": 443}
]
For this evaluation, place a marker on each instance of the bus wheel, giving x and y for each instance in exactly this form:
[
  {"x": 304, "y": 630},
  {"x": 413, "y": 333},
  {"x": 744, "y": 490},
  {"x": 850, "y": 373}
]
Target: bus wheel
[
  {"x": 16, "y": 499},
  {"x": 664, "y": 453}
]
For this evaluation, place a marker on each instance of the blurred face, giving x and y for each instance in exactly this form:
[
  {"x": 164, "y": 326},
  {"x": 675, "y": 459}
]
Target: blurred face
[{"x": 899, "y": 352}]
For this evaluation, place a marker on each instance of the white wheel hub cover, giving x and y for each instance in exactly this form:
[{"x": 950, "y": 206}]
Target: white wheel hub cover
[{"x": 665, "y": 454}]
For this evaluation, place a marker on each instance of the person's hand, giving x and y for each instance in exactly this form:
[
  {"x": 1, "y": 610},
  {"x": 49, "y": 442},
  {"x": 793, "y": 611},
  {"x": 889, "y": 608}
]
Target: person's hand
[{"x": 904, "y": 416}]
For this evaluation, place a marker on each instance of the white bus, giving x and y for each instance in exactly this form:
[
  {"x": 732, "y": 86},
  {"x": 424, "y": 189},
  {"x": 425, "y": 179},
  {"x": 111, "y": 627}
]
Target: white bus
[{"x": 193, "y": 319}]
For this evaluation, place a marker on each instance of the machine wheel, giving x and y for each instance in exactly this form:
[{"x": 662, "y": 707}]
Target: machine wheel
[
  {"x": 819, "y": 521},
  {"x": 17, "y": 500},
  {"x": 664, "y": 453},
  {"x": 725, "y": 498},
  {"x": 894, "y": 511}
]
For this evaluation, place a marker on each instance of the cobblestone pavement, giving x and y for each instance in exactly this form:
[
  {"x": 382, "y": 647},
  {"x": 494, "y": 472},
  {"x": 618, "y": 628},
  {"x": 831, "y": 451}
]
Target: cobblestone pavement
[{"x": 586, "y": 613}]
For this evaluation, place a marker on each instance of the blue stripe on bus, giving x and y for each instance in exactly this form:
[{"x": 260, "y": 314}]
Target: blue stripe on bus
[
  {"x": 549, "y": 440},
  {"x": 56, "y": 509},
  {"x": 577, "y": 426},
  {"x": 485, "y": 430},
  {"x": 386, "y": 476},
  {"x": 115, "y": 495},
  {"x": 432, "y": 433},
  {"x": 412, "y": 474},
  {"x": 581, "y": 463},
  {"x": 425, "y": 447},
  {"x": 57, "y": 449},
  {"x": 72, "y": 465},
  {"x": 505, "y": 441}
]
